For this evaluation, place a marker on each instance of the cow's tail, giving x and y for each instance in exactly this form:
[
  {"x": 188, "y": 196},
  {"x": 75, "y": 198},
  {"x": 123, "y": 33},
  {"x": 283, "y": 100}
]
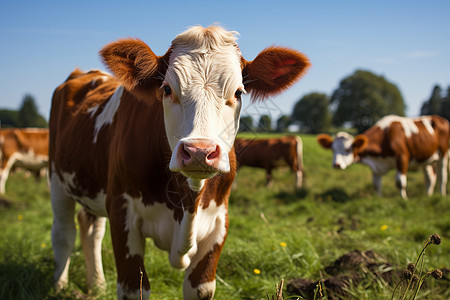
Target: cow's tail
[{"x": 299, "y": 173}]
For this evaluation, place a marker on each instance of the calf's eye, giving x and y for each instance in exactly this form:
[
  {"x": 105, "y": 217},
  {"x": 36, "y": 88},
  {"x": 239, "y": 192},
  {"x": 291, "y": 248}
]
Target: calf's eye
[
  {"x": 238, "y": 94},
  {"x": 167, "y": 90}
]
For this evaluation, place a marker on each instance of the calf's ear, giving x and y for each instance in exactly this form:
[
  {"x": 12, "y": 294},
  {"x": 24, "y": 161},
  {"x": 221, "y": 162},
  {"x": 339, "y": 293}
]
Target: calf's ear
[
  {"x": 325, "y": 140},
  {"x": 134, "y": 65},
  {"x": 360, "y": 143},
  {"x": 272, "y": 71}
]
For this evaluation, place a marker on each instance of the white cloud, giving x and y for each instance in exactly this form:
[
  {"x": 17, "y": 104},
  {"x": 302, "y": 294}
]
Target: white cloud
[{"x": 420, "y": 54}]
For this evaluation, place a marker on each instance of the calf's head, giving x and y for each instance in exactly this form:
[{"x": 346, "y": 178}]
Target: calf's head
[
  {"x": 200, "y": 81},
  {"x": 345, "y": 147}
]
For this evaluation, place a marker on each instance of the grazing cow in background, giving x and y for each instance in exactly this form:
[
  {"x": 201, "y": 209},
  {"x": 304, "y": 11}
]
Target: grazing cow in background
[
  {"x": 396, "y": 142},
  {"x": 270, "y": 153},
  {"x": 25, "y": 148},
  {"x": 151, "y": 148}
]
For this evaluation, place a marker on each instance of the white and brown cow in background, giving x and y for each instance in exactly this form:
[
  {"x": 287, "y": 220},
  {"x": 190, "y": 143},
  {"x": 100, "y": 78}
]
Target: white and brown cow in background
[
  {"x": 151, "y": 148},
  {"x": 396, "y": 143},
  {"x": 25, "y": 148},
  {"x": 270, "y": 153}
]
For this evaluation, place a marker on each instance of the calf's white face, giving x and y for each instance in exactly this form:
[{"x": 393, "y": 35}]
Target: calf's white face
[
  {"x": 201, "y": 81},
  {"x": 343, "y": 151},
  {"x": 201, "y": 100},
  {"x": 344, "y": 147}
]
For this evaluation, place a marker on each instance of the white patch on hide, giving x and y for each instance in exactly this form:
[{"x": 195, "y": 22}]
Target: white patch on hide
[
  {"x": 181, "y": 240},
  {"x": 378, "y": 164},
  {"x": 95, "y": 205},
  {"x": 408, "y": 125},
  {"x": 107, "y": 115}
]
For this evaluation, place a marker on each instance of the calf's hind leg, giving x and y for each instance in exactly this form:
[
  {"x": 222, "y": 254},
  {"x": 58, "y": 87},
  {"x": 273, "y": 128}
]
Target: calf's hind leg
[
  {"x": 63, "y": 231},
  {"x": 92, "y": 231},
  {"x": 443, "y": 172},
  {"x": 402, "y": 170},
  {"x": 269, "y": 178},
  {"x": 430, "y": 178},
  {"x": 401, "y": 181}
]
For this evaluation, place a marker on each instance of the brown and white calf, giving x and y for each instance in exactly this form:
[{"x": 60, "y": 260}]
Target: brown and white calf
[
  {"x": 25, "y": 148},
  {"x": 396, "y": 143},
  {"x": 151, "y": 148},
  {"x": 270, "y": 153}
]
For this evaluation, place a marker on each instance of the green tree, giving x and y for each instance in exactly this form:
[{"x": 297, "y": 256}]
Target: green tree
[
  {"x": 9, "y": 118},
  {"x": 363, "y": 98},
  {"x": 312, "y": 112},
  {"x": 282, "y": 123},
  {"x": 445, "y": 105},
  {"x": 265, "y": 124},
  {"x": 246, "y": 124},
  {"x": 434, "y": 105},
  {"x": 28, "y": 115}
]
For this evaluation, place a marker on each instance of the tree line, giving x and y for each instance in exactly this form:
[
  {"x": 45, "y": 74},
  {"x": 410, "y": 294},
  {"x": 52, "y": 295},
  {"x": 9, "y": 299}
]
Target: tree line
[
  {"x": 26, "y": 116},
  {"x": 438, "y": 104},
  {"x": 360, "y": 100}
]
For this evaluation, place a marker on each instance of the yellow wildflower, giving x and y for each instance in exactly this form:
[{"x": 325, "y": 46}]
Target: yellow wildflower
[
  {"x": 283, "y": 244},
  {"x": 383, "y": 228},
  {"x": 20, "y": 217},
  {"x": 257, "y": 271}
]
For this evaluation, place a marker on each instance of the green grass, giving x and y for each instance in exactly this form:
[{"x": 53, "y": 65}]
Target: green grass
[{"x": 279, "y": 231}]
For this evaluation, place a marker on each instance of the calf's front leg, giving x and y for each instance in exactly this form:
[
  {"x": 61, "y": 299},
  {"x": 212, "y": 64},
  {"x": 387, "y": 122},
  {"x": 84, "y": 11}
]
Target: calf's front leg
[
  {"x": 129, "y": 247},
  {"x": 200, "y": 276},
  {"x": 376, "y": 180}
]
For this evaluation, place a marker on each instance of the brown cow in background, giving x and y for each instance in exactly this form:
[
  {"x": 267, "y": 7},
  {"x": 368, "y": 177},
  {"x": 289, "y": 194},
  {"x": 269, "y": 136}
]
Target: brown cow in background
[
  {"x": 270, "y": 153},
  {"x": 398, "y": 143},
  {"x": 25, "y": 148}
]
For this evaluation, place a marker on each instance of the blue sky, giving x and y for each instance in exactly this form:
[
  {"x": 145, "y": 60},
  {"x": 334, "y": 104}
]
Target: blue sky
[{"x": 408, "y": 42}]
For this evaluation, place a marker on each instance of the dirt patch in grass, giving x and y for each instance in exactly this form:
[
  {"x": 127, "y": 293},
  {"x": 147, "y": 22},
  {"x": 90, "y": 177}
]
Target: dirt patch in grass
[
  {"x": 5, "y": 203},
  {"x": 348, "y": 271},
  {"x": 344, "y": 272}
]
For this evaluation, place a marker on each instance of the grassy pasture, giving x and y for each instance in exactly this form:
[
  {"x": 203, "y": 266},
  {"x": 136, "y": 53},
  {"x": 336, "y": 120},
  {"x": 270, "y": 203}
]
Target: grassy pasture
[{"x": 274, "y": 233}]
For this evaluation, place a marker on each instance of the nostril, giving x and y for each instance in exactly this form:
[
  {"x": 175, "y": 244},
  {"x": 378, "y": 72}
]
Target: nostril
[
  {"x": 185, "y": 155},
  {"x": 214, "y": 154}
]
